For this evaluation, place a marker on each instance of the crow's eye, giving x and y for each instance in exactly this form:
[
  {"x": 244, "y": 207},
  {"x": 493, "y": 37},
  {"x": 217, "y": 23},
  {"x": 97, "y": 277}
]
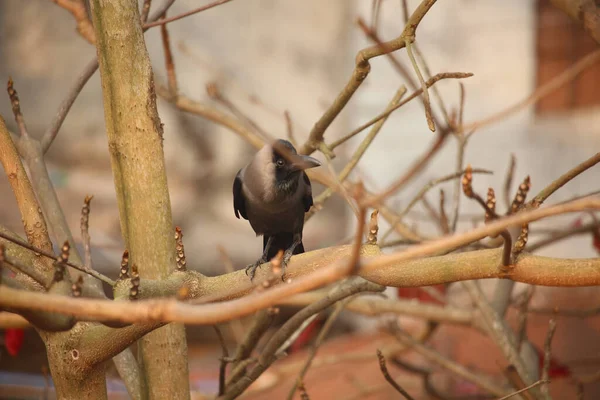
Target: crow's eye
[{"x": 280, "y": 163}]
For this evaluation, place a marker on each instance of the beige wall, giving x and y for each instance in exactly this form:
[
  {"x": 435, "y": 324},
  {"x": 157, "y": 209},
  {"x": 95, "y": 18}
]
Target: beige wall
[{"x": 289, "y": 54}]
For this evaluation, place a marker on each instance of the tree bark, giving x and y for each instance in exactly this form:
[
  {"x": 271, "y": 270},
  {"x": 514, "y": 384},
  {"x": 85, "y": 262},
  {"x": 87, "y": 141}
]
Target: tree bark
[{"x": 135, "y": 143}]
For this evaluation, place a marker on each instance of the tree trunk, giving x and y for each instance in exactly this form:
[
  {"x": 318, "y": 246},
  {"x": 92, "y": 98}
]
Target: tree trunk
[
  {"x": 135, "y": 143},
  {"x": 72, "y": 379}
]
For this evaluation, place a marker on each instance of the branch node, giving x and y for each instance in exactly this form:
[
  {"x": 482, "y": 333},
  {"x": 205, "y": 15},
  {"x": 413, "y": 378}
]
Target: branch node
[
  {"x": 373, "y": 228},
  {"x": 521, "y": 195},
  {"x": 467, "y": 182},
  {"x": 521, "y": 242},
  {"x": 134, "y": 291},
  {"x": 63, "y": 258},
  {"x": 491, "y": 205},
  {"x": 180, "y": 256},
  {"x": 77, "y": 287},
  {"x": 302, "y": 389},
  {"x": 16, "y": 106},
  {"x": 124, "y": 272},
  {"x": 59, "y": 264}
]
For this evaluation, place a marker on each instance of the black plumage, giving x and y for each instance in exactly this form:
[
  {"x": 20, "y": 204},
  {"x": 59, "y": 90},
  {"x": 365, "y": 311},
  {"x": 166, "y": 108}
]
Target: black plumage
[{"x": 273, "y": 192}]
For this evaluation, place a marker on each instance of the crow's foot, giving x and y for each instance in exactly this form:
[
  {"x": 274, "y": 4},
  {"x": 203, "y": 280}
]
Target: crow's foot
[{"x": 251, "y": 268}]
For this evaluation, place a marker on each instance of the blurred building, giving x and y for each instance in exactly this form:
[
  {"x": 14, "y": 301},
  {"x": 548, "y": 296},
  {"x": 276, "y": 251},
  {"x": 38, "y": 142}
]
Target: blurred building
[{"x": 269, "y": 56}]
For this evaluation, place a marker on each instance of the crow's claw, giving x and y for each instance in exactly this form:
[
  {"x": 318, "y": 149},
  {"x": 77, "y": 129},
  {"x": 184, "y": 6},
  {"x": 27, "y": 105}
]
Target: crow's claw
[{"x": 251, "y": 268}]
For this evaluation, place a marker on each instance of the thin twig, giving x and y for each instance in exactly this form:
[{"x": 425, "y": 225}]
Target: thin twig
[
  {"x": 396, "y": 63},
  {"x": 361, "y": 70},
  {"x": 510, "y": 173},
  {"x": 354, "y": 263},
  {"x": 17, "y": 266},
  {"x": 65, "y": 105},
  {"x": 498, "y": 331},
  {"x": 525, "y": 389},
  {"x": 413, "y": 171},
  {"x": 375, "y": 14},
  {"x": 318, "y": 341},
  {"x": 460, "y": 161},
  {"x": 223, "y": 361},
  {"x": 427, "y": 72},
  {"x": 145, "y": 11},
  {"x": 405, "y": 11},
  {"x": 169, "y": 64},
  {"x": 51, "y": 256},
  {"x": 564, "y": 179},
  {"x": 358, "y": 154},
  {"x": 543, "y": 91},
  {"x": 281, "y": 351},
  {"x": 350, "y": 287},
  {"x": 431, "y": 184},
  {"x": 426, "y": 99},
  {"x": 84, "y": 25},
  {"x": 90, "y": 69},
  {"x": 517, "y": 382},
  {"x": 215, "y": 93},
  {"x": 387, "y": 376},
  {"x": 484, "y": 382},
  {"x": 376, "y": 127},
  {"x": 185, "y": 14},
  {"x": 289, "y": 126},
  {"x": 430, "y": 82},
  {"x": 443, "y": 217},
  {"x": 568, "y": 233},
  {"x": 261, "y": 322},
  {"x": 548, "y": 356}
]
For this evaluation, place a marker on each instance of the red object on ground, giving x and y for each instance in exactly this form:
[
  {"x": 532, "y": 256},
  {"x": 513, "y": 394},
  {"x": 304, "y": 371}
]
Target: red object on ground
[
  {"x": 13, "y": 340},
  {"x": 557, "y": 369},
  {"x": 420, "y": 294},
  {"x": 305, "y": 337}
]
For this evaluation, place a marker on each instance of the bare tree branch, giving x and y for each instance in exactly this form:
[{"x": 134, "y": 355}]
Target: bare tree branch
[
  {"x": 542, "y": 91},
  {"x": 186, "y": 14},
  {"x": 359, "y": 74},
  {"x": 388, "y": 378}
]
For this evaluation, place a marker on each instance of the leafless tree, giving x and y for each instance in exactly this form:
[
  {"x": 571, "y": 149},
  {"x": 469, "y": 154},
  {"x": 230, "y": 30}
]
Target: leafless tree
[{"x": 155, "y": 294}]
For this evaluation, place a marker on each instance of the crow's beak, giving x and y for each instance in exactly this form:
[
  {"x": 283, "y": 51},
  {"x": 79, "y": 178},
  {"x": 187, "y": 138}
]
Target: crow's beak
[{"x": 304, "y": 162}]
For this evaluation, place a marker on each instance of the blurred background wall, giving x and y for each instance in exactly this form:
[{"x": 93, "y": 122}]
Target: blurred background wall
[{"x": 268, "y": 56}]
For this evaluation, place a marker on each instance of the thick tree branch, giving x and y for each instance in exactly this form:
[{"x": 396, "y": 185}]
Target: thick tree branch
[
  {"x": 308, "y": 272},
  {"x": 34, "y": 223},
  {"x": 129, "y": 371},
  {"x": 15, "y": 240},
  {"x": 135, "y": 143}
]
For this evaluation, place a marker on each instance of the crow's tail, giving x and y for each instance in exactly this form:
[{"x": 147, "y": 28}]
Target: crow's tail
[{"x": 281, "y": 241}]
